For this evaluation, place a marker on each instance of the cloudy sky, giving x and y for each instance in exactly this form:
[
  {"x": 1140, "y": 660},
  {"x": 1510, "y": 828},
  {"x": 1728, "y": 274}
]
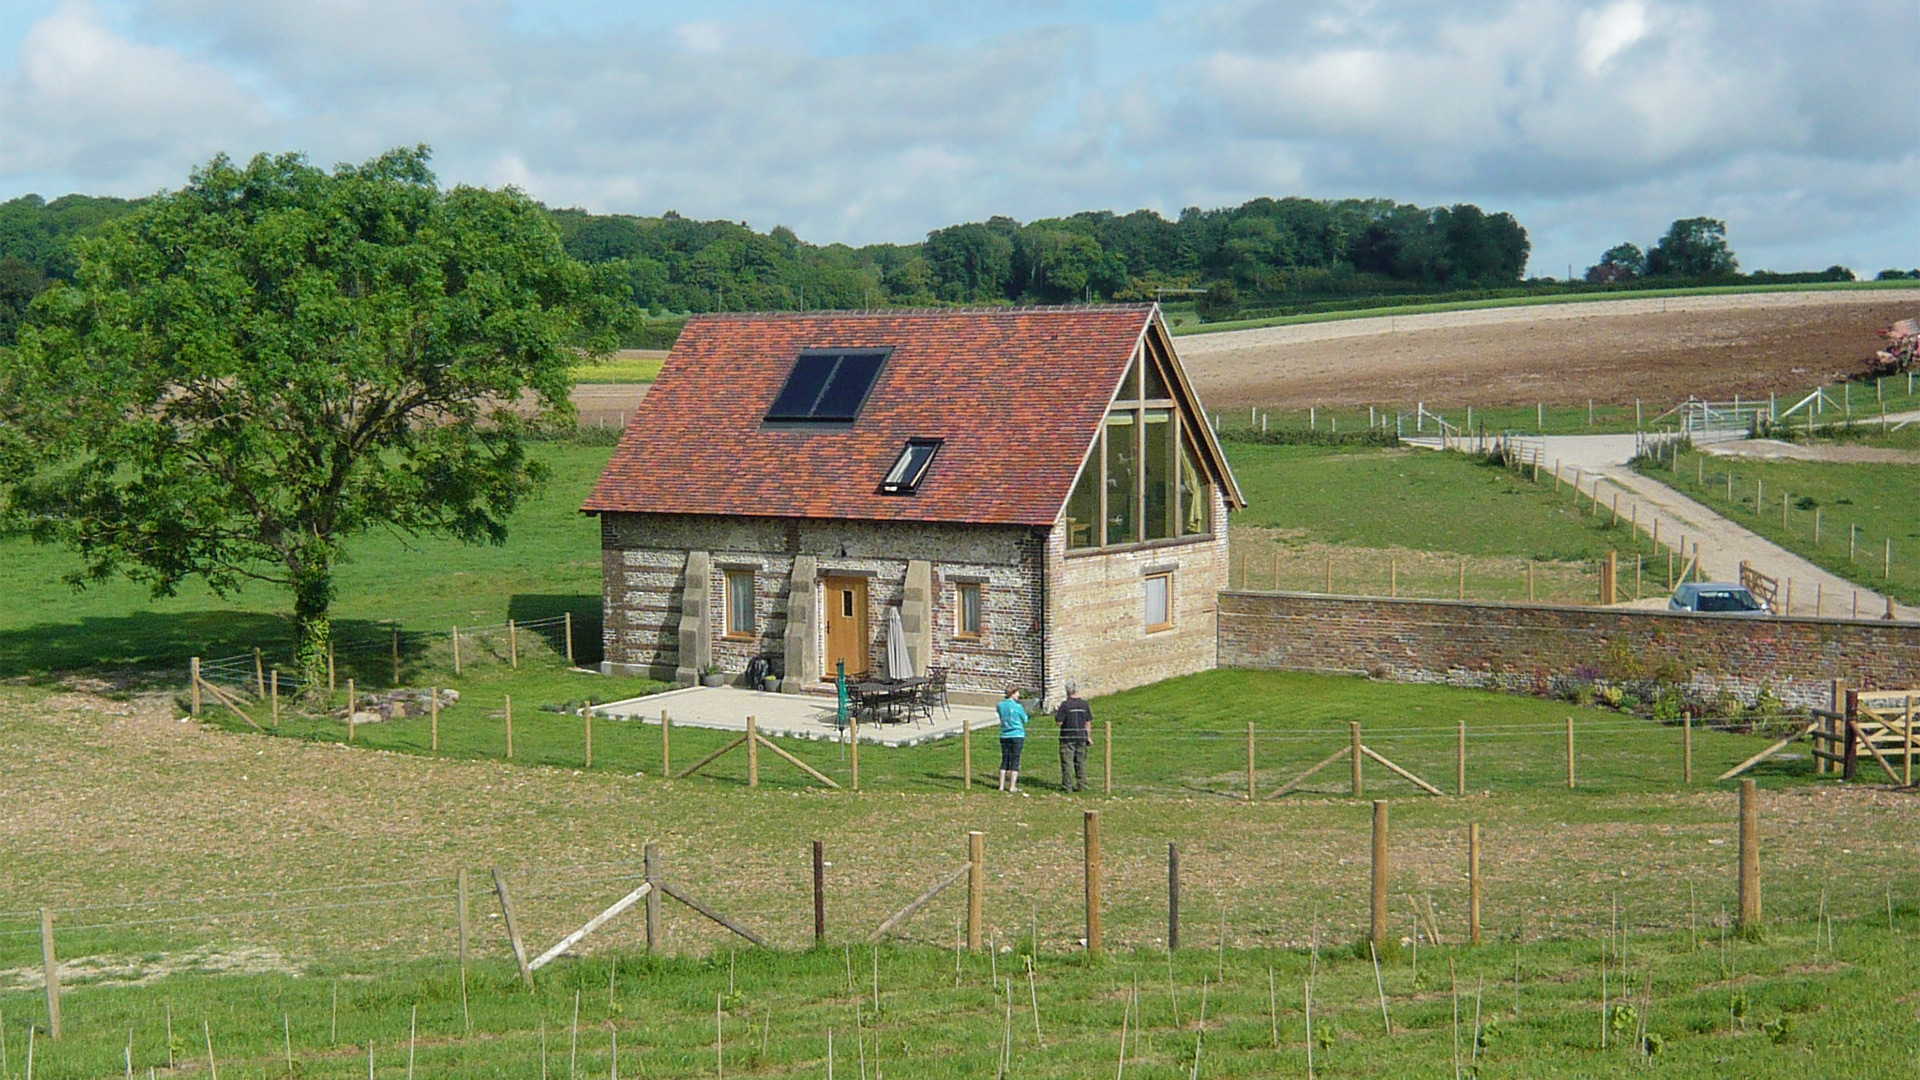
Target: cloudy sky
[{"x": 1594, "y": 121}]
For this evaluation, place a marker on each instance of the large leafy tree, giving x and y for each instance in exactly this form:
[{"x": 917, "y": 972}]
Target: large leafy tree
[
  {"x": 248, "y": 372},
  {"x": 1693, "y": 248}
]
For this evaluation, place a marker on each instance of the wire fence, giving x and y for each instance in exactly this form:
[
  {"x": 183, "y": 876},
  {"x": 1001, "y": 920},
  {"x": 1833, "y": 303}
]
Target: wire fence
[{"x": 255, "y": 673}]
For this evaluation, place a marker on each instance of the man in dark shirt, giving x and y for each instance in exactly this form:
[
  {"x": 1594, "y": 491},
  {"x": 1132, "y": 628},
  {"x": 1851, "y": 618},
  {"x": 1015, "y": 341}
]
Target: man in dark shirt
[{"x": 1075, "y": 717}]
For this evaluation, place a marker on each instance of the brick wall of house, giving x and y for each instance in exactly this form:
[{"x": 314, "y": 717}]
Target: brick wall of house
[
  {"x": 645, "y": 557},
  {"x": 1099, "y": 612},
  {"x": 1525, "y": 647}
]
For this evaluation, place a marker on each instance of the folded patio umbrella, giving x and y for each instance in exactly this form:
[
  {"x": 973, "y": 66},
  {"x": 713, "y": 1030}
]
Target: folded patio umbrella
[{"x": 899, "y": 661}]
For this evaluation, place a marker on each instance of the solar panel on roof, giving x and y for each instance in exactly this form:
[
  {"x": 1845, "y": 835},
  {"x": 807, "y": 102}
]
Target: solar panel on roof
[{"x": 829, "y": 386}]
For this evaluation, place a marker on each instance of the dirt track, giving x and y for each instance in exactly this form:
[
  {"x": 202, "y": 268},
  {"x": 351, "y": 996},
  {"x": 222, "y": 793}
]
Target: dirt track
[{"x": 1611, "y": 351}]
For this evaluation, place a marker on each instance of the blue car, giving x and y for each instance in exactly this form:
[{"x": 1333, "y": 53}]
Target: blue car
[{"x": 1717, "y": 597}]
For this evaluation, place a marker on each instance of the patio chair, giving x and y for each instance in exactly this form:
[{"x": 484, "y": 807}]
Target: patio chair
[{"x": 933, "y": 692}]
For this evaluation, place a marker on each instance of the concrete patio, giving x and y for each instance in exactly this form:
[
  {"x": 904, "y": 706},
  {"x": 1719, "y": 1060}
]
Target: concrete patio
[{"x": 793, "y": 716}]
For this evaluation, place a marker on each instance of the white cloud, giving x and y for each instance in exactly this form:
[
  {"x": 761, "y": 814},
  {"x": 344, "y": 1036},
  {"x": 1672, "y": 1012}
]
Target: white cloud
[
  {"x": 91, "y": 102},
  {"x": 1589, "y": 118}
]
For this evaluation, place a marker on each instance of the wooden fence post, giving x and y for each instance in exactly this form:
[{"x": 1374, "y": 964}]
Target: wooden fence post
[
  {"x": 352, "y": 708},
  {"x": 1377, "y": 932},
  {"x": 1569, "y": 753},
  {"x": 52, "y": 966},
  {"x": 753, "y": 754},
  {"x": 433, "y": 712},
  {"x": 396, "y": 654},
  {"x": 1850, "y": 763},
  {"x": 1106, "y": 755},
  {"x": 1749, "y": 856},
  {"x": 460, "y": 902},
  {"x": 273, "y": 682},
  {"x": 1251, "y": 794},
  {"x": 330, "y": 681},
  {"x": 513, "y": 643},
  {"x": 819, "y": 892},
  {"x": 193, "y": 684},
  {"x": 1460, "y": 762},
  {"x": 656, "y": 936},
  {"x": 456, "y": 650},
  {"x": 569, "y": 618},
  {"x": 259, "y": 673},
  {"x": 513, "y": 926},
  {"x": 1091, "y": 829},
  {"x": 509, "y": 698},
  {"x": 976, "y": 886},
  {"x": 1473, "y": 883},
  {"x": 1173, "y": 897},
  {"x": 587, "y": 720},
  {"x": 1353, "y": 728},
  {"x": 1686, "y": 755},
  {"x": 966, "y": 756},
  {"x": 666, "y": 746}
]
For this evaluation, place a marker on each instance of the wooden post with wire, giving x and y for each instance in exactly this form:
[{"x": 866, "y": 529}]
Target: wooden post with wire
[
  {"x": 976, "y": 886},
  {"x": 259, "y": 673},
  {"x": 456, "y": 650},
  {"x": 433, "y": 712},
  {"x": 396, "y": 655},
  {"x": 569, "y": 624},
  {"x": 509, "y": 698},
  {"x": 1252, "y": 795},
  {"x": 1106, "y": 755},
  {"x": 1377, "y": 931},
  {"x": 819, "y": 892},
  {"x": 1173, "y": 897},
  {"x": 753, "y": 753},
  {"x": 1460, "y": 762},
  {"x": 1473, "y": 883},
  {"x": 1749, "y": 857},
  {"x": 51, "y": 967},
  {"x": 1353, "y": 731},
  {"x": 1569, "y": 753},
  {"x": 513, "y": 643},
  {"x": 586, "y": 720},
  {"x": 352, "y": 709},
  {"x": 656, "y": 934},
  {"x": 1091, "y": 827},
  {"x": 966, "y": 756},
  {"x": 193, "y": 682},
  {"x": 273, "y": 690}
]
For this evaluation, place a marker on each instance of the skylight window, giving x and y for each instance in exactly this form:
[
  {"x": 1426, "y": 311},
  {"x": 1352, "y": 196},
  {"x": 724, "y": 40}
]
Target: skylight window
[
  {"x": 910, "y": 467},
  {"x": 828, "y": 385}
]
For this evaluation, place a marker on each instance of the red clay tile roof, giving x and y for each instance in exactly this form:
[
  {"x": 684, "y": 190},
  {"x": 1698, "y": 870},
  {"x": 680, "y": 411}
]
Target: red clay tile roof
[{"x": 1017, "y": 394}]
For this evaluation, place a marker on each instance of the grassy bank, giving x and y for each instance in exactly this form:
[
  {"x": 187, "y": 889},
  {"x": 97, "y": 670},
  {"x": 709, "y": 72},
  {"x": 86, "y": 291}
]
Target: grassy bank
[{"x": 1860, "y": 509}]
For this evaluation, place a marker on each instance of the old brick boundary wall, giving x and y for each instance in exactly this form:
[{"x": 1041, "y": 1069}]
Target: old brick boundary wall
[{"x": 1531, "y": 647}]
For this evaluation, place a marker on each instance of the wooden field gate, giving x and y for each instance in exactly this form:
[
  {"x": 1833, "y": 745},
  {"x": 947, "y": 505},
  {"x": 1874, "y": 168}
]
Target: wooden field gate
[{"x": 1870, "y": 723}]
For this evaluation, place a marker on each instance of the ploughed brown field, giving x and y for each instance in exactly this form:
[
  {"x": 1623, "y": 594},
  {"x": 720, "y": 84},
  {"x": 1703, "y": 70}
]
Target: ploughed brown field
[{"x": 1614, "y": 351}]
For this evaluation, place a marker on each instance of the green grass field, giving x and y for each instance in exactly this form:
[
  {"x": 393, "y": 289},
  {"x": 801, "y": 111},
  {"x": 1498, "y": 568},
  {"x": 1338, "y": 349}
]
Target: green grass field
[
  {"x": 1417, "y": 512},
  {"x": 1783, "y": 1008},
  {"x": 1878, "y": 502}
]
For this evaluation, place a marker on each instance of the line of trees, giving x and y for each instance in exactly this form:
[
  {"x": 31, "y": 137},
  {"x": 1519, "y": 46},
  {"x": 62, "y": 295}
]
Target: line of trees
[
  {"x": 1263, "y": 252},
  {"x": 1693, "y": 251}
]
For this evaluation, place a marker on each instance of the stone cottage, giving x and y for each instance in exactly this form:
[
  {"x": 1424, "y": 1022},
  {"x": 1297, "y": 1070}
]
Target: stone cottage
[{"x": 1035, "y": 489}]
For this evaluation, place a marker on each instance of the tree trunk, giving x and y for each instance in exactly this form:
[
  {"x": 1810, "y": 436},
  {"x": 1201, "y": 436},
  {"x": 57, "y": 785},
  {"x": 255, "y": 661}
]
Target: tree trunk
[{"x": 312, "y": 626}]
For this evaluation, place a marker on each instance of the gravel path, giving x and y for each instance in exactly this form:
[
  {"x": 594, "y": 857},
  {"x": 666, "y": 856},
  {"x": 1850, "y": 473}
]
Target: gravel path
[{"x": 1722, "y": 544}]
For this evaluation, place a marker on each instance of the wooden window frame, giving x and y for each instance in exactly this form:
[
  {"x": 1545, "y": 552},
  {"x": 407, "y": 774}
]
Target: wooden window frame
[
  {"x": 1147, "y": 581},
  {"x": 733, "y": 633},
  {"x": 960, "y": 631}
]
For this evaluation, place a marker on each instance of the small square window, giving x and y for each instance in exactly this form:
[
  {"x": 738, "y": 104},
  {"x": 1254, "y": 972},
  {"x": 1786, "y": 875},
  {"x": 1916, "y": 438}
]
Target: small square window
[
  {"x": 1159, "y": 598},
  {"x": 910, "y": 467},
  {"x": 967, "y": 611},
  {"x": 740, "y": 613}
]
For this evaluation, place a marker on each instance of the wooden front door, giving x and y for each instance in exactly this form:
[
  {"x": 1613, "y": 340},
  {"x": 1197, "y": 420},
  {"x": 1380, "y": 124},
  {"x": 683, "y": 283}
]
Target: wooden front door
[{"x": 846, "y": 604}]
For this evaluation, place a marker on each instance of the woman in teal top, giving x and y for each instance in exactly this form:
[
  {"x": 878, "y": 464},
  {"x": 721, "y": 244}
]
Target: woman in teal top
[{"x": 1013, "y": 737}]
